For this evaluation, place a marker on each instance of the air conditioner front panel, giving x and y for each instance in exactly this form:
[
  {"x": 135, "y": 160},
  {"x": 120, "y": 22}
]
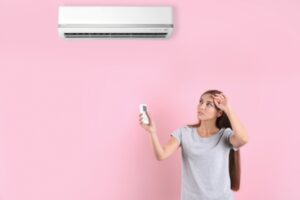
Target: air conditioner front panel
[
  {"x": 115, "y": 22},
  {"x": 115, "y": 15}
]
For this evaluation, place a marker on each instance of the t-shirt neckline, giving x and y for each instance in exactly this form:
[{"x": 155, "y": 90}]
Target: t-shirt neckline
[{"x": 206, "y": 138}]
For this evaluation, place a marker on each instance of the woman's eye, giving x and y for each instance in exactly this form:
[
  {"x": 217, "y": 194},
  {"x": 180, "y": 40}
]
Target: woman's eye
[{"x": 208, "y": 104}]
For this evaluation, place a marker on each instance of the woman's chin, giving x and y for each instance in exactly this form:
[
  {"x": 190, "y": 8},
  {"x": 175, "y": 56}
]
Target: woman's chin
[{"x": 200, "y": 117}]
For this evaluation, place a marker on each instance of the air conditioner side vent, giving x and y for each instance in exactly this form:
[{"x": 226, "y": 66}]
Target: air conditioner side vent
[{"x": 116, "y": 35}]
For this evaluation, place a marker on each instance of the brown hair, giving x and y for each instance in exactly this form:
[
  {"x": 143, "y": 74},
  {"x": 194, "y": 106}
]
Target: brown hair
[{"x": 234, "y": 156}]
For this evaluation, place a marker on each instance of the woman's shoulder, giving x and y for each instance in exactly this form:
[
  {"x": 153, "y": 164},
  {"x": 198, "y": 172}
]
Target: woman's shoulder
[
  {"x": 186, "y": 128},
  {"x": 227, "y": 129}
]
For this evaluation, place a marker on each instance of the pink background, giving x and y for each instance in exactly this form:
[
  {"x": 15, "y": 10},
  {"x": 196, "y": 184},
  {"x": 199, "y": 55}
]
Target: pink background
[{"x": 69, "y": 109}]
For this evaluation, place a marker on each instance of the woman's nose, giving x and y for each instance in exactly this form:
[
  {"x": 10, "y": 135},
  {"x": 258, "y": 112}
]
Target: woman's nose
[{"x": 202, "y": 107}]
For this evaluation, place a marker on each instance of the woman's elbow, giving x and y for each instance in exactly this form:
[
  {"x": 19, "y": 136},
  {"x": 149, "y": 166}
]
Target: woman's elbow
[
  {"x": 160, "y": 158},
  {"x": 243, "y": 142}
]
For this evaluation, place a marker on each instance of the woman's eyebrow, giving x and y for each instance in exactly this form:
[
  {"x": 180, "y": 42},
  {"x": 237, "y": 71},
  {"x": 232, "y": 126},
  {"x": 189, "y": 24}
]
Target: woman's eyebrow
[{"x": 207, "y": 101}]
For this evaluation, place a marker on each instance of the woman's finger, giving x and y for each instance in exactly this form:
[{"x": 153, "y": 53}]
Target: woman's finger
[
  {"x": 218, "y": 98},
  {"x": 217, "y": 95},
  {"x": 216, "y": 101},
  {"x": 148, "y": 116},
  {"x": 223, "y": 95},
  {"x": 220, "y": 95}
]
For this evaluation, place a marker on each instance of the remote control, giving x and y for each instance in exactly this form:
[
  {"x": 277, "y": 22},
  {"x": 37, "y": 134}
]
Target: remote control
[{"x": 143, "y": 110}]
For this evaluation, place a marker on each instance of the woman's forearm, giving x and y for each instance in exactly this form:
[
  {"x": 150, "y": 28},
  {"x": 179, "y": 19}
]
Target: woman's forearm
[
  {"x": 158, "y": 149},
  {"x": 236, "y": 124}
]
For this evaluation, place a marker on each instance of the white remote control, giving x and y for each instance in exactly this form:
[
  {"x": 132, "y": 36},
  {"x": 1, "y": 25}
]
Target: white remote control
[{"x": 143, "y": 110}]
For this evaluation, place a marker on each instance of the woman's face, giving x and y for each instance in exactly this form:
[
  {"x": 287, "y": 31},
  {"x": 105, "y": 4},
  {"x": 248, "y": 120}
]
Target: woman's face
[{"x": 207, "y": 109}]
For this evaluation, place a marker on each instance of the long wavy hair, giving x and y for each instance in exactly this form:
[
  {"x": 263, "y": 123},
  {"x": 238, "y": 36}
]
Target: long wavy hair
[{"x": 234, "y": 156}]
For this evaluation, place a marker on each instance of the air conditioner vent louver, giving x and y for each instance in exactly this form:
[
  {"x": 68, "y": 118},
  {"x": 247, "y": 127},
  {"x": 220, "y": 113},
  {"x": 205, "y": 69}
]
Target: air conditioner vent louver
[{"x": 115, "y": 35}]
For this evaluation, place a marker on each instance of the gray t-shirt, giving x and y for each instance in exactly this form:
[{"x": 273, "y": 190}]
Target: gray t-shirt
[{"x": 205, "y": 164}]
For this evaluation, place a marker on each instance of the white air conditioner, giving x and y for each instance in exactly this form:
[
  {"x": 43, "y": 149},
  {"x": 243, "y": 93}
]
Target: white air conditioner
[{"x": 95, "y": 22}]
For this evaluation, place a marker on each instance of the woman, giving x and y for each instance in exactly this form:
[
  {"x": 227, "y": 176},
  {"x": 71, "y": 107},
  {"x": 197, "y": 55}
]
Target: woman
[{"x": 205, "y": 147}]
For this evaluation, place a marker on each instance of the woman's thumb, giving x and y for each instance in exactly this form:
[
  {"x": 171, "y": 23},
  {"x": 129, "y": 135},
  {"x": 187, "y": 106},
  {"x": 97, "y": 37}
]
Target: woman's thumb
[{"x": 148, "y": 117}]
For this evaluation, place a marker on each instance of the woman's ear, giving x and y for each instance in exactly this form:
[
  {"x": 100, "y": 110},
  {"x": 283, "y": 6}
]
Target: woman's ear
[{"x": 220, "y": 113}]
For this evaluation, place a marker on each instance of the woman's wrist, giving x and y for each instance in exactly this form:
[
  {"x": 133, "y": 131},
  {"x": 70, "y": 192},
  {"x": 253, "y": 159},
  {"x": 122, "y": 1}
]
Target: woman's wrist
[
  {"x": 152, "y": 132},
  {"x": 228, "y": 110}
]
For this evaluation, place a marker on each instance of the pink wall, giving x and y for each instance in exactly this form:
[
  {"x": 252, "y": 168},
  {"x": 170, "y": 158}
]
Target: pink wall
[{"x": 69, "y": 109}]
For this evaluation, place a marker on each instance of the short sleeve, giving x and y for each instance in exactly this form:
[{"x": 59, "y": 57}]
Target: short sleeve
[
  {"x": 228, "y": 134},
  {"x": 177, "y": 134}
]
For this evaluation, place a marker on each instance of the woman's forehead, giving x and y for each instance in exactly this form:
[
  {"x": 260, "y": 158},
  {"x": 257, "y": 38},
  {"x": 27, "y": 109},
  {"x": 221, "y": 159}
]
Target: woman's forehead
[{"x": 207, "y": 97}]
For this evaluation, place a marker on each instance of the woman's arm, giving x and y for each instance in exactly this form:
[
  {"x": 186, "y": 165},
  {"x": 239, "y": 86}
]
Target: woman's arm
[
  {"x": 240, "y": 136},
  {"x": 160, "y": 152}
]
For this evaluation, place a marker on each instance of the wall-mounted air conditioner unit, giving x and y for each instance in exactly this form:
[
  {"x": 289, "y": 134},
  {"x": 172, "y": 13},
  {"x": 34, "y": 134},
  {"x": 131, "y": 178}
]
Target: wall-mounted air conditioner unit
[{"x": 95, "y": 22}]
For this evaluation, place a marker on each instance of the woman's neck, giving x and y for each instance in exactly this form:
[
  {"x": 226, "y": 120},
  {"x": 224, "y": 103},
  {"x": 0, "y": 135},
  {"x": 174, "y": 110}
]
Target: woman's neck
[{"x": 207, "y": 129}]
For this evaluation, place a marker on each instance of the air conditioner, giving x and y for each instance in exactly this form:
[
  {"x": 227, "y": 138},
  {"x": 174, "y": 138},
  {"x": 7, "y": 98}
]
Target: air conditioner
[{"x": 99, "y": 22}]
